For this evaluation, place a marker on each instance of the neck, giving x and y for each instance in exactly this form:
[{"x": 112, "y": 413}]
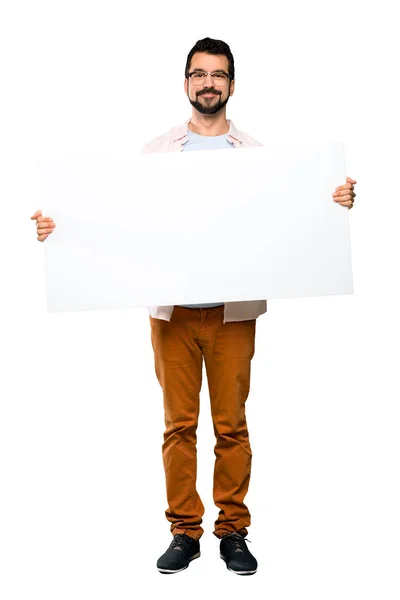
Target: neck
[{"x": 208, "y": 124}]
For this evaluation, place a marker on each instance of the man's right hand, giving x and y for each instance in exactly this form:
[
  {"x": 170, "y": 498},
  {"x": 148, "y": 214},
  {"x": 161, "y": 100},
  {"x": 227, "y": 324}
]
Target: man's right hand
[{"x": 44, "y": 225}]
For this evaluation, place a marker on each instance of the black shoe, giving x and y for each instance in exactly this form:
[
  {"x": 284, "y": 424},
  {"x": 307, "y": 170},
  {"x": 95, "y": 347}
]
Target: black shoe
[
  {"x": 238, "y": 558},
  {"x": 181, "y": 551}
]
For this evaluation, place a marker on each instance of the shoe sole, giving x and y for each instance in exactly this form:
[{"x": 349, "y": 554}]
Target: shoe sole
[
  {"x": 171, "y": 571},
  {"x": 237, "y": 572}
]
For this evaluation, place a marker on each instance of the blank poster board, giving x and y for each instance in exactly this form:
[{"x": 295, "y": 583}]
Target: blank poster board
[{"x": 195, "y": 227}]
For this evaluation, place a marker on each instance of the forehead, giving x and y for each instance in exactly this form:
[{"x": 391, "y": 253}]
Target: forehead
[{"x": 209, "y": 62}]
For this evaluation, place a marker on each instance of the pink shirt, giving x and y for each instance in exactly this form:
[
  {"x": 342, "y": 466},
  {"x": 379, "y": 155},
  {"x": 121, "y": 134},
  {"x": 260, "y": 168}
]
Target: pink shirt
[{"x": 173, "y": 141}]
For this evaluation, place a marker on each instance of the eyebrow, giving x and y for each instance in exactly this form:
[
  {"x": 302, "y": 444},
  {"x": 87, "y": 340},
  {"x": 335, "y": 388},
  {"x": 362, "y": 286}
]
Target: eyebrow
[{"x": 215, "y": 70}]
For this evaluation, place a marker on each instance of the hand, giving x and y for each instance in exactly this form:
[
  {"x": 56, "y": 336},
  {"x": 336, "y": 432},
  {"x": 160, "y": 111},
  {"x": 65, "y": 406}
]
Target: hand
[
  {"x": 44, "y": 225},
  {"x": 344, "y": 194}
]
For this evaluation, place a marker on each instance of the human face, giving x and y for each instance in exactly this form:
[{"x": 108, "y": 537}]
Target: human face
[{"x": 196, "y": 94}]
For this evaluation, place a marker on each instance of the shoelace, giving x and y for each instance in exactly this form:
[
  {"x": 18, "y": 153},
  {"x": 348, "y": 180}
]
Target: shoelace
[
  {"x": 180, "y": 540},
  {"x": 238, "y": 541}
]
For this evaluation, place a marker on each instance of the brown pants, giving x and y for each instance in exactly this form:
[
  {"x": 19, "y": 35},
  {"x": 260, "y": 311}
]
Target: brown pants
[{"x": 179, "y": 347}]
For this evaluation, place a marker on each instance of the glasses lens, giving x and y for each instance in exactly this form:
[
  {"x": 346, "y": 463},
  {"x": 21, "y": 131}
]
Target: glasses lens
[
  {"x": 199, "y": 78},
  {"x": 219, "y": 78}
]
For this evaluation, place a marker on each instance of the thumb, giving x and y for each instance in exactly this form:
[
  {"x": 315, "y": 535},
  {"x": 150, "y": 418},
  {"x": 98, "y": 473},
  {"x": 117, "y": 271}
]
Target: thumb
[{"x": 38, "y": 213}]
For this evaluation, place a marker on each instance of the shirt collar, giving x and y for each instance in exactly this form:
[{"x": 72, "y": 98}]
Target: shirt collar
[{"x": 180, "y": 132}]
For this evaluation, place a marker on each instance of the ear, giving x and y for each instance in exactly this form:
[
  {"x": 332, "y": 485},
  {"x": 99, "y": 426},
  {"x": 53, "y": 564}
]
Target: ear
[
  {"x": 232, "y": 87},
  {"x": 185, "y": 86}
]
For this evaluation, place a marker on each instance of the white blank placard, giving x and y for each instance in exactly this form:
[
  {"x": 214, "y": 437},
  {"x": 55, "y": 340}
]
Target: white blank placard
[{"x": 195, "y": 227}]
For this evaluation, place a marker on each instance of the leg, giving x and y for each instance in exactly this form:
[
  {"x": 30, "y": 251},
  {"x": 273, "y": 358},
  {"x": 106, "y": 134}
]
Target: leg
[
  {"x": 178, "y": 365},
  {"x": 228, "y": 353}
]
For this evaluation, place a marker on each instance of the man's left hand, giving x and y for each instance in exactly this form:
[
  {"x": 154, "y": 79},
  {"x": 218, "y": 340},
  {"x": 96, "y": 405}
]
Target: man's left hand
[{"x": 344, "y": 194}]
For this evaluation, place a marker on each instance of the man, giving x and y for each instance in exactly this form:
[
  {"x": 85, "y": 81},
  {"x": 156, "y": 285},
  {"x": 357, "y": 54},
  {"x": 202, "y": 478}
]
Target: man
[{"x": 222, "y": 334}]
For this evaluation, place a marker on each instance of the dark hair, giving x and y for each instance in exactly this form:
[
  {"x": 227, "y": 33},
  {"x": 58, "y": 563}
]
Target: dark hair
[{"x": 211, "y": 46}]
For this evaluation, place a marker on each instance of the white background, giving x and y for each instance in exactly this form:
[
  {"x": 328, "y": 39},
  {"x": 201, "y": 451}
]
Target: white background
[{"x": 82, "y": 484}]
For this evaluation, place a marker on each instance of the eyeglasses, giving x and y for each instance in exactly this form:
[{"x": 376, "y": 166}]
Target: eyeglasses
[{"x": 218, "y": 77}]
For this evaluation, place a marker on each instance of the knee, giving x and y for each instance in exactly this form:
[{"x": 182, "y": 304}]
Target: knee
[{"x": 177, "y": 430}]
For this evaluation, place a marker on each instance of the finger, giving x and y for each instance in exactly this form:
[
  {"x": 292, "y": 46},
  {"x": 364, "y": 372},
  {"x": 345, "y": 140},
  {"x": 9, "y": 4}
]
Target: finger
[
  {"x": 343, "y": 199},
  {"x": 41, "y": 238},
  {"x": 350, "y": 179},
  {"x": 346, "y": 186},
  {"x": 343, "y": 192},
  {"x": 41, "y": 231},
  {"x": 45, "y": 224},
  {"x": 52, "y": 224},
  {"x": 45, "y": 219},
  {"x": 37, "y": 213}
]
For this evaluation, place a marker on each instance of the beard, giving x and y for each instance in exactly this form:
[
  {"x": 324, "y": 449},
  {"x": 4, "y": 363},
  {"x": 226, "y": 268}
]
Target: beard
[{"x": 209, "y": 107}]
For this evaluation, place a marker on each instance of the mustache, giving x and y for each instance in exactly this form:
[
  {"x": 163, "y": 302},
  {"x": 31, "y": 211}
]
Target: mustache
[{"x": 208, "y": 92}]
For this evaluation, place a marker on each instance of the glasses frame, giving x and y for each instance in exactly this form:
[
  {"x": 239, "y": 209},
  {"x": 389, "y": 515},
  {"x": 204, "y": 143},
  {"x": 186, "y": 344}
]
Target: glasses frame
[{"x": 209, "y": 73}]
